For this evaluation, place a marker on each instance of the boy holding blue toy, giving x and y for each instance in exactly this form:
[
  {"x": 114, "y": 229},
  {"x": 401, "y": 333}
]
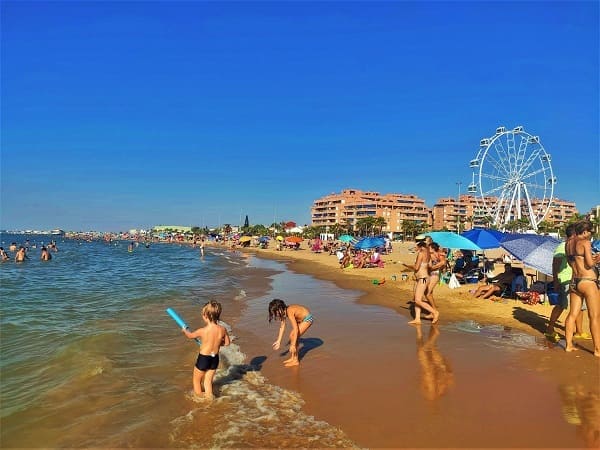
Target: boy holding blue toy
[{"x": 213, "y": 336}]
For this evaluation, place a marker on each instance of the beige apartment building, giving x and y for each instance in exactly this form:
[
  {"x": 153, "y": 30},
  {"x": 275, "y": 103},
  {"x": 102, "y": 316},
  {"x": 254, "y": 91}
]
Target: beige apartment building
[
  {"x": 448, "y": 213},
  {"x": 347, "y": 207}
]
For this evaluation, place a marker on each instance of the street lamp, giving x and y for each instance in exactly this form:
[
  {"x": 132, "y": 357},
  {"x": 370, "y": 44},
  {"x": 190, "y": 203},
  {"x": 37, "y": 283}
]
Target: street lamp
[{"x": 458, "y": 183}]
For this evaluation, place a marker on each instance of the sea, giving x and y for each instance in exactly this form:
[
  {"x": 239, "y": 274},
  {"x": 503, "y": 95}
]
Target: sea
[{"x": 90, "y": 358}]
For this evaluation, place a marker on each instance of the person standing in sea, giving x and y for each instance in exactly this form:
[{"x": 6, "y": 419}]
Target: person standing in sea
[{"x": 21, "y": 255}]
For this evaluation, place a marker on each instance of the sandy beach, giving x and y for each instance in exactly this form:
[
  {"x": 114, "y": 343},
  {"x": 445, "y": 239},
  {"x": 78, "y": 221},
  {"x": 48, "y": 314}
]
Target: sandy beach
[{"x": 475, "y": 376}]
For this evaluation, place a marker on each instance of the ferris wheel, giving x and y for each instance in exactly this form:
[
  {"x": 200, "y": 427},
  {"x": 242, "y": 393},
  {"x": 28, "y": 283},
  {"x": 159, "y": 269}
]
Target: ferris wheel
[{"x": 512, "y": 177}]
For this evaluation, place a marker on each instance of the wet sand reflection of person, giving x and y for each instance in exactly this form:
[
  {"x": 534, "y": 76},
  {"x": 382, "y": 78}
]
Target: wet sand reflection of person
[
  {"x": 582, "y": 409},
  {"x": 437, "y": 376}
]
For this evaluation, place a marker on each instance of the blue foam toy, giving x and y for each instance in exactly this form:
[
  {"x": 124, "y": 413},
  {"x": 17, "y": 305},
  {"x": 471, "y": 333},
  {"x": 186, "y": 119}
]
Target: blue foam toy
[{"x": 180, "y": 322}]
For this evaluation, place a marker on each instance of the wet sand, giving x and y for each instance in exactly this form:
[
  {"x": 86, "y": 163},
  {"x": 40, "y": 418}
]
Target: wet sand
[{"x": 389, "y": 384}]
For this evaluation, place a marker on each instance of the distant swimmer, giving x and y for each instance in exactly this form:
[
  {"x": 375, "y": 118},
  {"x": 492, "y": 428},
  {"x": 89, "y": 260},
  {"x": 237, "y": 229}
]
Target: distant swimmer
[
  {"x": 3, "y": 255},
  {"x": 45, "y": 256},
  {"x": 300, "y": 319},
  {"x": 130, "y": 247},
  {"x": 21, "y": 255},
  {"x": 202, "y": 248},
  {"x": 13, "y": 247}
]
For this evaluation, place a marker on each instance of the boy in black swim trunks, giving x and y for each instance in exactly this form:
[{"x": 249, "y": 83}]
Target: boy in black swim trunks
[{"x": 213, "y": 336}]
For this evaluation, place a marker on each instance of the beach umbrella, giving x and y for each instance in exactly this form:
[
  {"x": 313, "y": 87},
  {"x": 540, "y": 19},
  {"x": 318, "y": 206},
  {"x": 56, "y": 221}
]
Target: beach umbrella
[
  {"x": 279, "y": 238},
  {"x": 294, "y": 239},
  {"x": 264, "y": 239},
  {"x": 346, "y": 238},
  {"x": 532, "y": 250},
  {"x": 484, "y": 238},
  {"x": 245, "y": 239},
  {"x": 448, "y": 239},
  {"x": 369, "y": 242}
]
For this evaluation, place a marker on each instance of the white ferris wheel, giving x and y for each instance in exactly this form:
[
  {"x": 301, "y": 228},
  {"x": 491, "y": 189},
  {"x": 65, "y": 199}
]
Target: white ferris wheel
[{"x": 512, "y": 177}]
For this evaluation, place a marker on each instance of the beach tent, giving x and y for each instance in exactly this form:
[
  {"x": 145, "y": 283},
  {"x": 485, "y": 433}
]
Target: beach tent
[
  {"x": 346, "y": 238},
  {"x": 369, "y": 242}
]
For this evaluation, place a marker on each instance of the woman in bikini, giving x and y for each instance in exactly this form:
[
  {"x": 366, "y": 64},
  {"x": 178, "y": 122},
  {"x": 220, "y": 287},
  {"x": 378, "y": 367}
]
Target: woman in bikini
[
  {"x": 421, "y": 269},
  {"x": 584, "y": 284},
  {"x": 300, "y": 319},
  {"x": 437, "y": 262}
]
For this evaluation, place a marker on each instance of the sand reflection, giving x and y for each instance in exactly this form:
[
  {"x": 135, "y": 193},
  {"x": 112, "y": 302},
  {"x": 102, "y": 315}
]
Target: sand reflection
[
  {"x": 436, "y": 374},
  {"x": 581, "y": 408}
]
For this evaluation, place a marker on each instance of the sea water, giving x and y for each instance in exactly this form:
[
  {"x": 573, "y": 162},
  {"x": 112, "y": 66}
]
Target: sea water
[{"x": 89, "y": 358}]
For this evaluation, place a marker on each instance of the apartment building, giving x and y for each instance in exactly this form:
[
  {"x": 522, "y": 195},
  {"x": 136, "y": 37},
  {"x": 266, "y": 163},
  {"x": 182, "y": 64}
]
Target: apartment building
[
  {"x": 347, "y": 207},
  {"x": 560, "y": 210},
  {"x": 449, "y": 212}
]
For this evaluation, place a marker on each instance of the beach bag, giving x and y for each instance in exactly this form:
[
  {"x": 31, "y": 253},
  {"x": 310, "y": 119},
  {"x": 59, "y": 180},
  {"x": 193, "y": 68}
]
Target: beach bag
[{"x": 453, "y": 283}]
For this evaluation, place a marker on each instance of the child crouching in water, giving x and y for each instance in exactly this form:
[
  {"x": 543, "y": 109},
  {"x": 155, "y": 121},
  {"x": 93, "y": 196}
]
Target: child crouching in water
[
  {"x": 300, "y": 319},
  {"x": 212, "y": 337}
]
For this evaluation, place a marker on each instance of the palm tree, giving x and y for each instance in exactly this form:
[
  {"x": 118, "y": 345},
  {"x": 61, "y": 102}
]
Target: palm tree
[{"x": 380, "y": 223}]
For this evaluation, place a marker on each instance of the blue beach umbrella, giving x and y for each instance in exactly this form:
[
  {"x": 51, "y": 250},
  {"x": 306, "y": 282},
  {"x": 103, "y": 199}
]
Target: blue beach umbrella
[
  {"x": 532, "y": 250},
  {"x": 452, "y": 240},
  {"x": 369, "y": 242},
  {"x": 346, "y": 238},
  {"x": 484, "y": 238},
  {"x": 264, "y": 239}
]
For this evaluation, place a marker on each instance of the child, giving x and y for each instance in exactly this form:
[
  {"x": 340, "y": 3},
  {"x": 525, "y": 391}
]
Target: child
[
  {"x": 212, "y": 336},
  {"x": 300, "y": 319}
]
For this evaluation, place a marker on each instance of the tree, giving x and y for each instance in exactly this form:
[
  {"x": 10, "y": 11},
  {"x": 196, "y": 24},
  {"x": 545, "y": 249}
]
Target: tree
[
  {"x": 380, "y": 223},
  {"x": 365, "y": 224}
]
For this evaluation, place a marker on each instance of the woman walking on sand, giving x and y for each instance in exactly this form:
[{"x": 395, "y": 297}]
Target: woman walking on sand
[
  {"x": 584, "y": 284},
  {"x": 421, "y": 269}
]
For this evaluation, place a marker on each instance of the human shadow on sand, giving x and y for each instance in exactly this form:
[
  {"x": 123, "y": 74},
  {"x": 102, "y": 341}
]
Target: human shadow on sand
[
  {"x": 305, "y": 345},
  {"x": 534, "y": 320},
  {"x": 308, "y": 344}
]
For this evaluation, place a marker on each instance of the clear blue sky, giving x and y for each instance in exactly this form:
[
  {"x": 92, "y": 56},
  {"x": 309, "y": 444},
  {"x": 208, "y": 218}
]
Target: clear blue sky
[{"x": 119, "y": 115}]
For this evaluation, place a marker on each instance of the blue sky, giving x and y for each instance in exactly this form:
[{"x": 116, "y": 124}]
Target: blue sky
[{"x": 119, "y": 115}]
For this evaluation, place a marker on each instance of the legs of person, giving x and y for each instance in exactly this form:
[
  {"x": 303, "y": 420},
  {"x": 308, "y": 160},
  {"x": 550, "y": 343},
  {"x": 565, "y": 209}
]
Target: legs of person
[
  {"x": 208, "y": 383},
  {"x": 574, "y": 310},
  {"x": 431, "y": 284},
  {"x": 293, "y": 360},
  {"x": 197, "y": 380},
  {"x": 419, "y": 294},
  {"x": 491, "y": 290},
  {"x": 554, "y": 315},
  {"x": 591, "y": 293}
]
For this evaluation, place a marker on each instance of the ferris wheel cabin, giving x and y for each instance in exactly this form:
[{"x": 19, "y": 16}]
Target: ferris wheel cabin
[
  {"x": 518, "y": 129},
  {"x": 484, "y": 142},
  {"x": 500, "y": 130},
  {"x": 472, "y": 188},
  {"x": 534, "y": 140},
  {"x": 474, "y": 163},
  {"x": 546, "y": 158}
]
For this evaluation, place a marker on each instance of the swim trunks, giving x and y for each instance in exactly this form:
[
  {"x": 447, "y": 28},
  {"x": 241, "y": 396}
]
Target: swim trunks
[{"x": 207, "y": 362}]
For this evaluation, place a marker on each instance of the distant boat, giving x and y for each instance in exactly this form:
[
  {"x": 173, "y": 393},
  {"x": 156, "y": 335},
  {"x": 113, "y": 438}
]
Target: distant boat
[{"x": 57, "y": 232}]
